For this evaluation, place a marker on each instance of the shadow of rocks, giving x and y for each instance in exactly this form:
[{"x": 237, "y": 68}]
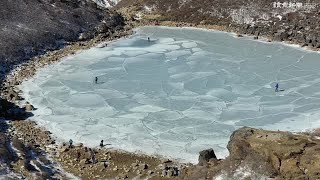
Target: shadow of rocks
[
  {"x": 12, "y": 112},
  {"x": 9, "y": 112},
  {"x": 20, "y": 144}
]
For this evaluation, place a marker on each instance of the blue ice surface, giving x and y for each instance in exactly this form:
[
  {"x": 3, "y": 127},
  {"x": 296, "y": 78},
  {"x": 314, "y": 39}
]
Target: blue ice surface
[{"x": 184, "y": 91}]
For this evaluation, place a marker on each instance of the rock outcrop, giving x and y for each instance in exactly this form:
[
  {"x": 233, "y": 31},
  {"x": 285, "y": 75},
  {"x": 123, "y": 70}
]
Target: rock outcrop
[
  {"x": 270, "y": 154},
  {"x": 284, "y": 155},
  {"x": 206, "y": 155}
]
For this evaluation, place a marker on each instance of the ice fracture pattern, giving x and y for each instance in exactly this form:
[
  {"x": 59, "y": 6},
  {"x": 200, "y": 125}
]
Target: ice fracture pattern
[{"x": 183, "y": 91}]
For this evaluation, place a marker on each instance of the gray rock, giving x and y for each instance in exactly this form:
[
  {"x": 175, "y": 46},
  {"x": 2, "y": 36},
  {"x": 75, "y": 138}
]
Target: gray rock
[
  {"x": 144, "y": 166},
  {"x": 164, "y": 173},
  {"x": 281, "y": 35},
  {"x": 206, "y": 155}
]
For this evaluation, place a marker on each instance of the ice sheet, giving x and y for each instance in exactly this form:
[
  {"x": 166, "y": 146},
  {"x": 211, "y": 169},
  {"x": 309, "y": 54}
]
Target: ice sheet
[{"x": 184, "y": 91}]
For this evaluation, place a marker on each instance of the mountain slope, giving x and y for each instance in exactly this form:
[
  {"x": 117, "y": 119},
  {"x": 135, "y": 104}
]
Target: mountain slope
[{"x": 29, "y": 26}]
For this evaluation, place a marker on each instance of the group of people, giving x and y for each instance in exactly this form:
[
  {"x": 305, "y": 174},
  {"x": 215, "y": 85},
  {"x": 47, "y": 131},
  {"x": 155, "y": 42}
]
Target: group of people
[{"x": 92, "y": 158}]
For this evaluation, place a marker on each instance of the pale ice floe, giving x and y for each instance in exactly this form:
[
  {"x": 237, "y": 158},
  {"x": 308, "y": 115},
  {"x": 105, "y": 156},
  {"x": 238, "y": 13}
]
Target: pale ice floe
[{"x": 183, "y": 91}]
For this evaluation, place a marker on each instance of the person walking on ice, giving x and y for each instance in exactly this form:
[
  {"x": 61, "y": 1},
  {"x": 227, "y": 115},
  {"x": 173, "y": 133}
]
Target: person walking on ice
[
  {"x": 101, "y": 144},
  {"x": 277, "y": 87},
  {"x": 70, "y": 143},
  {"x": 96, "y": 80}
]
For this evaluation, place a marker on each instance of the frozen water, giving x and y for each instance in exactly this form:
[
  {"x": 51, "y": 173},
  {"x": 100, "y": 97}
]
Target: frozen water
[{"x": 182, "y": 92}]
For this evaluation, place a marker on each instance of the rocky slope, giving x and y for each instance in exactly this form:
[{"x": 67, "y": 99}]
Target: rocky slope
[
  {"x": 30, "y": 27},
  {"x": 294, "y": 21}
]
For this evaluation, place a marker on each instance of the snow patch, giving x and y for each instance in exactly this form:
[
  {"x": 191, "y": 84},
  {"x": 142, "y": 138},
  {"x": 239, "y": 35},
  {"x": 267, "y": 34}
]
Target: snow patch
[{"x": 107, "y": 3}]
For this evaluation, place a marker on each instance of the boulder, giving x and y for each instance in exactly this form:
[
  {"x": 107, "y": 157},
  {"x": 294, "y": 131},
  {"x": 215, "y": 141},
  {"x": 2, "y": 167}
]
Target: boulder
[
  {"x": 281, "y": 35},
  {"x": 206, "y": 155},
  {"x": 274, "y": 154},
  {"x": 144, "y": 166},
  {"x": 29, "y": 107}
]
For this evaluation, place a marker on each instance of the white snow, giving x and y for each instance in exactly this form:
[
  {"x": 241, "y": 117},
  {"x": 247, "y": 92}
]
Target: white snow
[
  {"x": 279, "y": 16},
  {"x": 185, "y": 91},
  {"x": 106, "y": 3}
]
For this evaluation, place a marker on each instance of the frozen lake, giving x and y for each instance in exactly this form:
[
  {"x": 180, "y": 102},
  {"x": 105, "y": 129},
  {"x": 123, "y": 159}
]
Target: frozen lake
[{"x": 184, "y": 91}]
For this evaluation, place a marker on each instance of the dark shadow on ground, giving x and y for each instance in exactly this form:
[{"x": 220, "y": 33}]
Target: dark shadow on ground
[{"x": 9, "y": 112}]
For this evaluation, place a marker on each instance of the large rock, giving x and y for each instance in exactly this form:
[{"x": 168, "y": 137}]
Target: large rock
[
  {"x": 206, "y": 155},
  {"x": 29, "y": 107},
  {"x": 274, "y": 153}
]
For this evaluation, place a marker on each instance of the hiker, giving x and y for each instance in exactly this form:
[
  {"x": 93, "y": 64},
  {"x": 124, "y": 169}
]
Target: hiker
[
  {"x": 101, "y": 144},
  {"x": 93, "y": 158},
  {"x": 96, "y": 80},
  {"x": 70, "y": 143},
  {"x": 277, "y": 87}
]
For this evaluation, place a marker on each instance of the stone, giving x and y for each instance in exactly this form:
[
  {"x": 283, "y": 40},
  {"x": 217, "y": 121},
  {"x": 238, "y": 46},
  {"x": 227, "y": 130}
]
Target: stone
[
  {"x": 134, "y": 164},
  {"x": 281, "y": 35},
  {"x": 150, "y": 172},
  {"x": 164, "y": 173},
  {"x": 144, "y": 166},
  {"x": 127, "y": 170},
  {"x": 65, "y": 149},
  {"x": 115, "y": 168},
  {"x": 206, "y": 155},
  {"x": 29, "y": 107}
]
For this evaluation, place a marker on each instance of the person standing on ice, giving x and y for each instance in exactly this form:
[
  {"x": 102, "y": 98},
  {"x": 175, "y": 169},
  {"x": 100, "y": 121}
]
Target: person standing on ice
[
  {"x": 96, "y": 80},
  {"x": 277, "y": 87},
  {"x": 148, "y": 39},
  {"x": 70, "y": 143},
  {"x": 101, "y": 144}
]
